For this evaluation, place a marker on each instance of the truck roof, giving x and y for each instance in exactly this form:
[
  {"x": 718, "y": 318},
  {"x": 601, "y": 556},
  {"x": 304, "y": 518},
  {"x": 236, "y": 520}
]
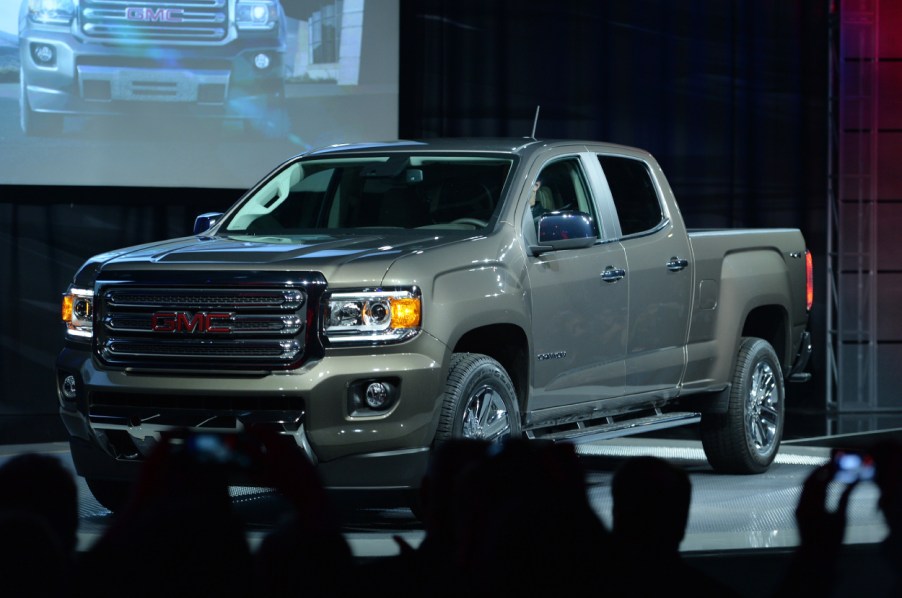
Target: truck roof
[{"x": 521, "y": 146}]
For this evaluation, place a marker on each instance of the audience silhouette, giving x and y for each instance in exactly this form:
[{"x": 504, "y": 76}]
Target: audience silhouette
[
  {"x": 430, "y": 568},
  {"x": 816, "y": 566},
  {"x": 524, "y": 524},
  {"x": 177, "y": 533},
  {"x": 502, "y": 518},
  {"x": 38, "y": 525},
  {"x": 888, "y": 459},
  {"x": 651, "y": 503}
]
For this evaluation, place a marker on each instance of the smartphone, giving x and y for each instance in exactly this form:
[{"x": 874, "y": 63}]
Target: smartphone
[
  {"x": 852, "y": 466},
  {"x": 219, "y": 448}
]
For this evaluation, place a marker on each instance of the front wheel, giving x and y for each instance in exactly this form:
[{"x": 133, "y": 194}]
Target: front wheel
[
  {"x": 480, "y": 401},
  {"x": 745, "y": 439}
]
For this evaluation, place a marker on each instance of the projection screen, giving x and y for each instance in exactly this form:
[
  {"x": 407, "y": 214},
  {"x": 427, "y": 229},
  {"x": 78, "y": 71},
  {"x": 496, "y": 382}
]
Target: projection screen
[{"x": 188, "y": 93}]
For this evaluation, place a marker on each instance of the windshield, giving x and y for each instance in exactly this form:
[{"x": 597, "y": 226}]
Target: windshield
[{"x": 456, "y": 192}]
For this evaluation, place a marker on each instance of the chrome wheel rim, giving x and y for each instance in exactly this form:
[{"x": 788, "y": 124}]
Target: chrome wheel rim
[
  {"x": 485, "y": 416},
  {"x": 763, "y": 409}
]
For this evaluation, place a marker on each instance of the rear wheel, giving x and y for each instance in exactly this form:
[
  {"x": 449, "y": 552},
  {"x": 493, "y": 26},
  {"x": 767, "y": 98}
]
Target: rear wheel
[
  {"x": 745, "y": 439},
  {"x": 111, "y": 494}
]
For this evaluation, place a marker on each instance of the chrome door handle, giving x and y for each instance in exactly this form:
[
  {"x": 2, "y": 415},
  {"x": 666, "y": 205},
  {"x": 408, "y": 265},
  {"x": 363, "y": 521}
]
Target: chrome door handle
[
  {"x": 676, "y": 264},
  {"x": 612, "y": 274}
]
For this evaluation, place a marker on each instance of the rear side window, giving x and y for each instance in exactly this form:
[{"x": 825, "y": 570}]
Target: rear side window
[{"x": 635, "y": 197}]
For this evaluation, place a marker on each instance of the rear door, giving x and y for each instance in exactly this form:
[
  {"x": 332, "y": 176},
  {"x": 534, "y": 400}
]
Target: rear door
[{"x": 659, "y": 273}]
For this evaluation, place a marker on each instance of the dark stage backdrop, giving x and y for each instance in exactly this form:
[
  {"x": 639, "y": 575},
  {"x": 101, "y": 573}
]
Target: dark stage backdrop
[{"x": 730, "y": 97}]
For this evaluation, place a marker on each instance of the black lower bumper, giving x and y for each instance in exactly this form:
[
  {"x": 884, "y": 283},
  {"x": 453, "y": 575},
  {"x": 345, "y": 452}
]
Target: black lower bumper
[{"x": 402, "y": 469}]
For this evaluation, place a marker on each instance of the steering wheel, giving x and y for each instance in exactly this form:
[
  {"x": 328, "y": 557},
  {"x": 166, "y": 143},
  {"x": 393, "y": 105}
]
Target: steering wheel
[{"x": 473, "y": 221}]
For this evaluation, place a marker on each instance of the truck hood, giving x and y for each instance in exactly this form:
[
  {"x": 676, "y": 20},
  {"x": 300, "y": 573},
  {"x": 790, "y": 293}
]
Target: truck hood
[{"x": 354, "y": 259}]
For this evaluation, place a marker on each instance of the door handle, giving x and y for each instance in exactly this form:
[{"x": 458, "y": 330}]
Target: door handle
[
  {"x": 612, "y": 274},
  {"x": 676, "y": 264}
]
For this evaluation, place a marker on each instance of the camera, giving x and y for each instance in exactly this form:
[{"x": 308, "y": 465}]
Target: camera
[{"x": 852, "y": 466}]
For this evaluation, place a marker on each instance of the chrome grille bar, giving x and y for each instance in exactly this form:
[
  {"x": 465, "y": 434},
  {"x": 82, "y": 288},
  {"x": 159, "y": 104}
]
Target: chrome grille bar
[
  {"x": 185, "y": 20},
  {"x": 257, "y": 327}
]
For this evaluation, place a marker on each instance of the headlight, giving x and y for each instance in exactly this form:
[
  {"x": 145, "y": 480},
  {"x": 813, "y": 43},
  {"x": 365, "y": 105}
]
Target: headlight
[
  {"x": 256, "y": 14},
  {"x": 372, "y": 317},
  {"x": 78, "y": 312},
  {"x": 57, "y": 12}
]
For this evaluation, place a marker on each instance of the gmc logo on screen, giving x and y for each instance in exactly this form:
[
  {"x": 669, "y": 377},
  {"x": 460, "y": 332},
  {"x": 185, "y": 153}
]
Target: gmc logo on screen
[
  {"x": 182, "y": 321},
  {"x": 154, "y": 15}
]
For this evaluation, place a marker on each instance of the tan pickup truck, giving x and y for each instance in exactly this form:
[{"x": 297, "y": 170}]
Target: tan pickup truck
[{"x": 368, "y": 301}]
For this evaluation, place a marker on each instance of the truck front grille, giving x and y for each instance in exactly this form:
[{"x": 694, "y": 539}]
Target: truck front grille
[
  {"x": 144, "y": 22},
  {"x": 257, "y": 327}
]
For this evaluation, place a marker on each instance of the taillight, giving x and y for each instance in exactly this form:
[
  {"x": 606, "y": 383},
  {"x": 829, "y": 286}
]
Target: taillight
[{"x": 809, "y": 280}]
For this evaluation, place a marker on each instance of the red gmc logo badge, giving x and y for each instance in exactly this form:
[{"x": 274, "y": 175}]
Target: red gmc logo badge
[
  {"x": 154, "y": 15},
  {"x": 181, "y": 321}
]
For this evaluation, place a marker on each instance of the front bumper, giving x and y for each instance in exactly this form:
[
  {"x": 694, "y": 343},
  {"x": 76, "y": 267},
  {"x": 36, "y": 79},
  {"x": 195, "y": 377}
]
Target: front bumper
[
  {"x": 117, "y": 416},
  {"x": 90, "y": 78}
]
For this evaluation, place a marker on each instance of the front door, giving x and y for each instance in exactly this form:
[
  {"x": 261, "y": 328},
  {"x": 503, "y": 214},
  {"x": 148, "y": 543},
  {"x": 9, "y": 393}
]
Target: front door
[{"x": 579, "y": 313}]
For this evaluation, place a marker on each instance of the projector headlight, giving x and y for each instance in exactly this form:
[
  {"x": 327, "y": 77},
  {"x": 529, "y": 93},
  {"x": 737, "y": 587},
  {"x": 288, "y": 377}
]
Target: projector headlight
[
  {"x": 372, "y": 316},
  {"x": 56, "y": 12},
  {"x": 78, "y": 312},
  {"x": 256, "y": 14}
]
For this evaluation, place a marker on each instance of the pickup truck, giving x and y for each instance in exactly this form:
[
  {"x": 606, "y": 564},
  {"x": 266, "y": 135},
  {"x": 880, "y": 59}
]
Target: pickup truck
[
  {"x": 369, "y": 301},
  {"x": 211, "y": 60}
]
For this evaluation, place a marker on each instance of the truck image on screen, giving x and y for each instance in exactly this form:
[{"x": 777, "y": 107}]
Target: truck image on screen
[{"x": 219, "y": 59}]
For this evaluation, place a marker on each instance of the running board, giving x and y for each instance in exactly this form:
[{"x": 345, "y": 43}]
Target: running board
[{"x": 615, "y": 429}]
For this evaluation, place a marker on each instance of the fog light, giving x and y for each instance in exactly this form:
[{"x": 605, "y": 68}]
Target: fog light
[
  {"x": 377, "y": 395},
  {"x": 43, "y": 54},
  {"x": 261, "y": 61},
  {"x": 69, "y": 388}
]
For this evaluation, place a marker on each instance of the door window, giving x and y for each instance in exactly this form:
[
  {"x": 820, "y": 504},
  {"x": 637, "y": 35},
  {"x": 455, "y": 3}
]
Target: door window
[
  {"x": 634, "y": 193},
  {"x": 561, "y": 186}
]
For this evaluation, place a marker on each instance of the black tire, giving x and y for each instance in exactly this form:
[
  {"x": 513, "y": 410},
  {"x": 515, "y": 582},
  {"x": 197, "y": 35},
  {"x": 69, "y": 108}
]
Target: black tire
[
  {"x": 746, "y": 438},
  {"x": 36, "y": 124},
  {"x": 480, "y": 401},
  {"x": 111, "y": 494}
]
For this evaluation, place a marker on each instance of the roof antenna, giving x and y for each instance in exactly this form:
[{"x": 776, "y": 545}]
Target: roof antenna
[{"x": 535, "y": 122}]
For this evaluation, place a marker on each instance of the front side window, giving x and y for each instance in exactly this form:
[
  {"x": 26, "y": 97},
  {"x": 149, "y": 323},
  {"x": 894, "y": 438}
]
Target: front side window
[
  {"x": 561, "y": 187},
  {"x": 390, "y": 191},
  {"x": 635, "y": 197}
]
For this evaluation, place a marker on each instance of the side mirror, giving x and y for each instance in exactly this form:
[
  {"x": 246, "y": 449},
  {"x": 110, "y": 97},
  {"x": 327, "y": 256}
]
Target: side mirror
[
  {"x": 564, "y": 230},
  {"x": 205, "y": 222}
]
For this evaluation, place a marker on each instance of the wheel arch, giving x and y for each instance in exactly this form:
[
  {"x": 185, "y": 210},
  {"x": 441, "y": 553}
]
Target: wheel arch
[{"x": 771, "y": 323}]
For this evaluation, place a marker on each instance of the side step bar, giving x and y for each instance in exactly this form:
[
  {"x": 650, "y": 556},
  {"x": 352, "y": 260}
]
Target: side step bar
[{"x": 615, "y": 429}]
